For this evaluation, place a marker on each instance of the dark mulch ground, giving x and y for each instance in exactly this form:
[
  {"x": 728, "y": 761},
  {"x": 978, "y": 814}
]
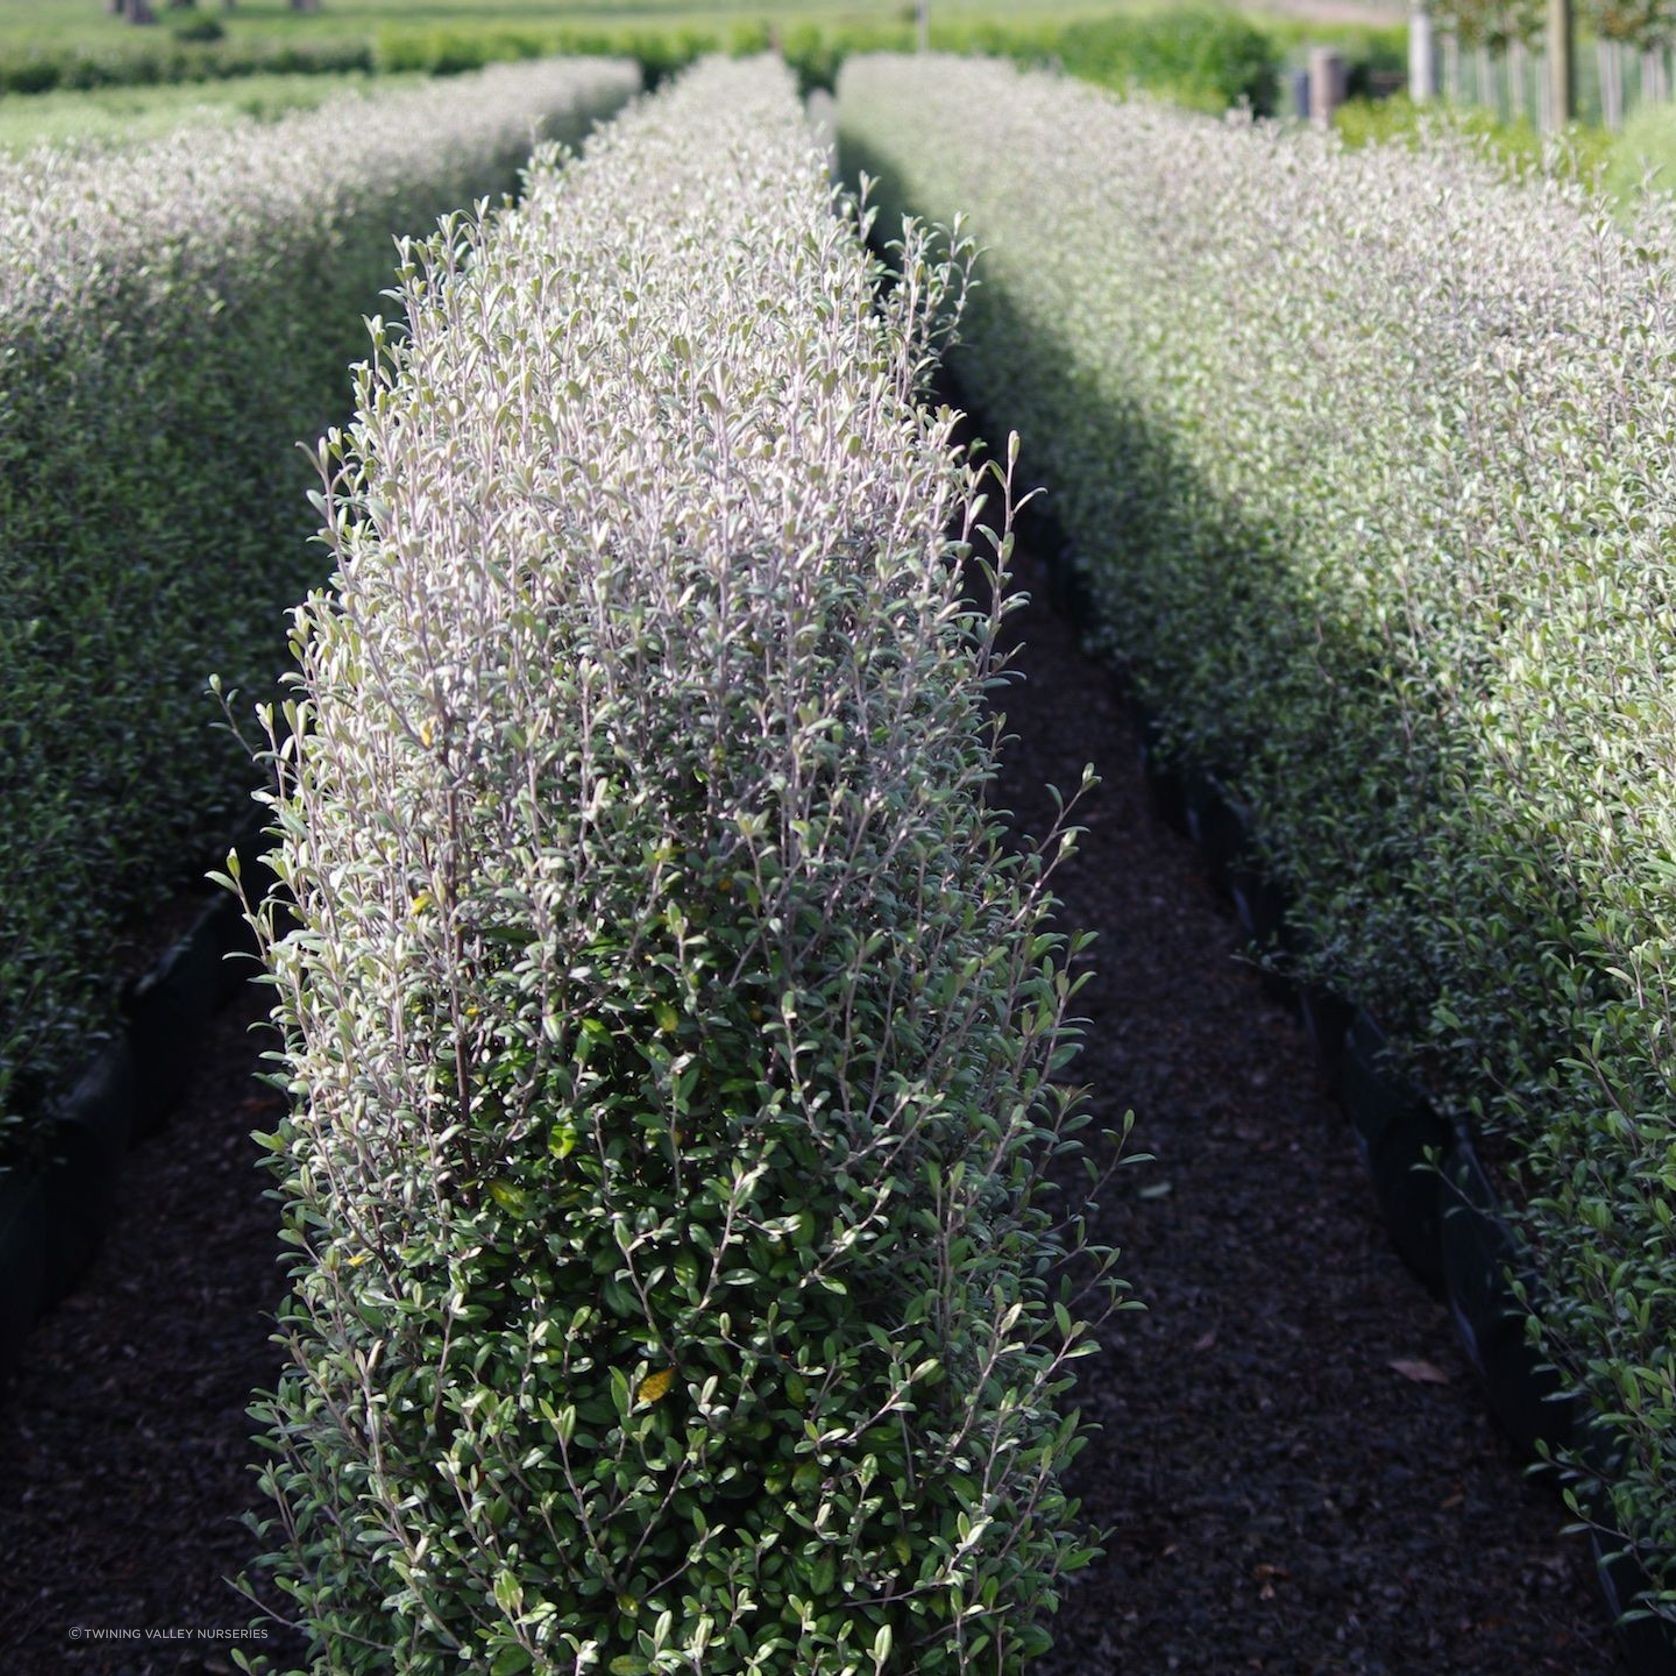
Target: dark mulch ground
[
  {"x": 1280, "y": 1499},
  {"x": 125, "y": 1452}
]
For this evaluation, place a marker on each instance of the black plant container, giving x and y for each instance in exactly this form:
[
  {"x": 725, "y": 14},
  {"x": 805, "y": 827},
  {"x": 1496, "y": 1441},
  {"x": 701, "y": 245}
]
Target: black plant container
[
  {"x": 1481, "y": 1254},
  {"x": 1163, "y": 781},
  {"x": 1398, "y": 1135},
  {"x": 167, "y": 1011},
  {"x": 1261, "y": 909},
  {"x": 1071, "y": 595},
  {"x": 1648, "y": 1643},
  {"x": 23, "y": 1272},
  {"x": 1326, "y": 1020},
  {"x": 1217, "y": 824},
  {"x": 1260, "y": 905},
  {"x": 88, "y": 1145}
]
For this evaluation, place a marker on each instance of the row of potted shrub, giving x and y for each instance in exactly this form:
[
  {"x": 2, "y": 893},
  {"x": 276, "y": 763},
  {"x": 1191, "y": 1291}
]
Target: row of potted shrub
[
  {"x": 672, "y": 1039},
  {"x": 173, "y": 317},
  {"x": 1365, "y": 461}
]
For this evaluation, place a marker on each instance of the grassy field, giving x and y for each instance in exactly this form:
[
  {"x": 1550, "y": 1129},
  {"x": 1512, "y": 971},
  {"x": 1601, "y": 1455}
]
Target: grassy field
[
  {"x": 86, "y": 23},
  {"x": 124, "y": 115}
]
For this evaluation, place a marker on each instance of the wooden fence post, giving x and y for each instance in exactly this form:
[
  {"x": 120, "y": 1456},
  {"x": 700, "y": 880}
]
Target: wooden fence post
[
  {"x": 1562, "y": 62},
  {"x": 1328, "y": 81},
  {"x": 1422, "y": 56}
]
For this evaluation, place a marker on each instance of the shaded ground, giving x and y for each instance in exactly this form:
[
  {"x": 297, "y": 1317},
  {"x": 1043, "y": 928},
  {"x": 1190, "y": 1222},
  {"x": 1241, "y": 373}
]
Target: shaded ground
[
  {"x": 125, "y": 1452},
  {"x": 1280, "y": 1498}
]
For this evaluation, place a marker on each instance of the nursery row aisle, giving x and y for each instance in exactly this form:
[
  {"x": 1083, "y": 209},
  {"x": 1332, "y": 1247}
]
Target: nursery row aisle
[
  {"x": 125, "y": 1452},
  {"x": 1281, "y": 1497}
]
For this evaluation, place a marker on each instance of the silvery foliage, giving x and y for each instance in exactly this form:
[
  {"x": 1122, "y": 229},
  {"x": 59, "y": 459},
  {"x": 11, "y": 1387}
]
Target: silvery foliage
[
  {"x": 173, "y": 317},
  {"x": 1368, "y": 459},
  {"x": 72, "y": 217},
  {"x": 671, "y": 1033}
]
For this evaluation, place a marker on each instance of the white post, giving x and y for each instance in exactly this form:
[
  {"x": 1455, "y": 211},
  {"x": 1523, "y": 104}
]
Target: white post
[
  {"x": 1562, "y": 62},
  {"x": 923, "y": 13},
  {"x": 1609, "y": 55},
  {"x": 1422, "y": 56},
  {"x": 1328, "y": 79}
]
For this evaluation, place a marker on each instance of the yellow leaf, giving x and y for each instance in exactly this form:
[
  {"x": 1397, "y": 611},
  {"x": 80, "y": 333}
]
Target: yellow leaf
[
  {"x": 422, "y": 901},
  {"x": 509, "y": 1196},
  {"x": 655, "y": 1386}
]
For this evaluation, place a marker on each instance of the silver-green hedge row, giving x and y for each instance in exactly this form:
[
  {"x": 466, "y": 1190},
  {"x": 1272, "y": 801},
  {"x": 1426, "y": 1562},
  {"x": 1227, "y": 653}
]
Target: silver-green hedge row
[
  {"x": 669, "y": 1029},
  {"x": 1369, "y": 461},
  {"x": 172, "y": 319}
]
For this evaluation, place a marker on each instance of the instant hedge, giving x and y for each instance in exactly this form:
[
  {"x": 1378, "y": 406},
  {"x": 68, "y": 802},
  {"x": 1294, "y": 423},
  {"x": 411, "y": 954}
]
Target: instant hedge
[
  {"x": 687, "y": 1264},
  {"x": 1366, "y": 457},
  {"x": 172, "y": 319}
]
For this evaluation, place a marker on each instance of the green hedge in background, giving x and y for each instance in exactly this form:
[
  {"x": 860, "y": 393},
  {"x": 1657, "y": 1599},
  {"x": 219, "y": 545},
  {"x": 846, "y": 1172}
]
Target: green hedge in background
[
  {"x": 1206, "y": 55},
  {"x": 174, "y": 57},
  {"x": 1203, "y": 56}
]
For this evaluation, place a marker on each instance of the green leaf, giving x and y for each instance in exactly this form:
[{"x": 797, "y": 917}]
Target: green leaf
[
  {"x": 509, "y": 1593},
  {"x": 822, "y": 1574}
]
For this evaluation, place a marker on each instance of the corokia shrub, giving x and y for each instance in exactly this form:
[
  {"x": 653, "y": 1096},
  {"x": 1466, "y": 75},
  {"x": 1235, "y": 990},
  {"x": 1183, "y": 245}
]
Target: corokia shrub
[
  {"x": 680, "y": 1282},
  {"x": 1368, "y": 460},
  {"x": 172, "y": 319}
]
